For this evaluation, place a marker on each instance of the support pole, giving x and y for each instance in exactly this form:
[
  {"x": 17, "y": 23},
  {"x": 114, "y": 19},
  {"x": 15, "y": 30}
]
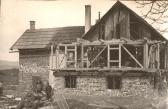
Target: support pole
[
  {"x": 82, "y": 55},
  {"x": 146, "y": 55},
  {"x": 75, "y": 56},
  {"x": 66, "y": 56},
  {"x": 119, "y": 55},
  {"x": 158, "y": 56},
  {"x": 108, "y": 56},
  {"x": 165, "y": 66},
  {"x": 57, "y": 56},
  {"x": 52, "y": 54}
]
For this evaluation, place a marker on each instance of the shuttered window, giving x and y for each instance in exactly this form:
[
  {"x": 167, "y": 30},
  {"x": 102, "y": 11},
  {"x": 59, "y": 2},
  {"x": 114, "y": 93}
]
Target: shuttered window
[
  {"x": 114, "y": 82},
  {"x": 70, "y": 81}
]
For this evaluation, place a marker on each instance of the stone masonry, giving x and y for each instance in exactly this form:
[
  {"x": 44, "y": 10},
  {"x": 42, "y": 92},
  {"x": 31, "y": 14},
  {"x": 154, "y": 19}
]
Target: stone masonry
[
  {"x": 32, "y": 63},
  {"x": 95, "y": 85}
]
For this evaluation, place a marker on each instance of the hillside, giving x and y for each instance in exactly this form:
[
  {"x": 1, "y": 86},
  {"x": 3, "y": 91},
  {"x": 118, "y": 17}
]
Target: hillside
[{"x": 8, "y": 64}]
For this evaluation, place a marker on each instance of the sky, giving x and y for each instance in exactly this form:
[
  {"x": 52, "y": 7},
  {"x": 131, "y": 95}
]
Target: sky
[{"x": 16, "y": 14}]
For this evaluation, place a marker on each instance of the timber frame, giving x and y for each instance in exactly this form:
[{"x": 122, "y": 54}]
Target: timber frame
[{"x": 150, "y": 59}]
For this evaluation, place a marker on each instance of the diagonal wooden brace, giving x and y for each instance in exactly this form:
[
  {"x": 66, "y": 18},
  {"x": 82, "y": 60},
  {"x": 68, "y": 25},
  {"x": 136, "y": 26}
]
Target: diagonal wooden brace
[
  {"x": 132, "y": 57},
  {"x": 98, "y": 55}
]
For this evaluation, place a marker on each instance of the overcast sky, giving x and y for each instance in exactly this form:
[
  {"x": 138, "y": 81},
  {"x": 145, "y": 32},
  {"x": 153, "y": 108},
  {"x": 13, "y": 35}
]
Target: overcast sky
[{"x": 16, "y": 14}]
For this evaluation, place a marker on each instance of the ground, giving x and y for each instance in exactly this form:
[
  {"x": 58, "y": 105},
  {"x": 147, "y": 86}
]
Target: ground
[{"x": 100, "y": 102}]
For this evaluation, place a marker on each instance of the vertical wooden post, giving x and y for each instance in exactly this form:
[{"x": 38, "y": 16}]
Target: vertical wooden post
[
  {"x": 66, "y": 56},
  {"x": 145, "y": 61},
  {"x": 51, "y": 66},
  {"x": 158, "y": 56},
  {"x": 57, "y": 56},
  {"x": 165, "y": 64},
  {"x": 119, "y": 55},
  {"x": 75, "y": 55},
  {"x": 52, "y": 54},
  {"x": 82, "y": 55},
  {"x": 108, "y": 55}
]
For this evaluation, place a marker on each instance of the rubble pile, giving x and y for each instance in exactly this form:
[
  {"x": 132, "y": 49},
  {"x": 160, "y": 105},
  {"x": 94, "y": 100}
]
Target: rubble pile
[{"x": 9, "y": 102}]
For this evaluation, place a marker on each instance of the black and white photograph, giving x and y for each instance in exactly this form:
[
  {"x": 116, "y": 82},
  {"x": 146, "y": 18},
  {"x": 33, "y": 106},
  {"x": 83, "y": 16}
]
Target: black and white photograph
[{"x": 83, "y": 54}]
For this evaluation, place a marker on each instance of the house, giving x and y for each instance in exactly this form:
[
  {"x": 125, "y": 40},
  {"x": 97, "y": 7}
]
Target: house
[{"x": 120, "y": 55}]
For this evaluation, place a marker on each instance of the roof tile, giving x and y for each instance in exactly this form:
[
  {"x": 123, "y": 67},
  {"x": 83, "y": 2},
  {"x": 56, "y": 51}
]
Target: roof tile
[{"x": 42, "y": 38}]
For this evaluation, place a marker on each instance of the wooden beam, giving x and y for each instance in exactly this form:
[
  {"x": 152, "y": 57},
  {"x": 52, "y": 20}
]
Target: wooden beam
[
  {"x": 82, "y": 48},
  {"x": 51, "y": 56},
  {"x": 98, "y": 55},
  {"x": 108, "y": 56},
  {"x": 146, "y": 55},
  {"x": 119, "y": 41},
  {"x": 133, "y": 57},
  {"x": 165, "y": 64},
  {"x": 119, "y": 55},
  {"x": 57, "y": 56},
  {"x": 75, "y": 55},
  {"x": 66, "y": 55},
  {"x": 158, "y": 56},
  {"x": 150, "y": 56}
]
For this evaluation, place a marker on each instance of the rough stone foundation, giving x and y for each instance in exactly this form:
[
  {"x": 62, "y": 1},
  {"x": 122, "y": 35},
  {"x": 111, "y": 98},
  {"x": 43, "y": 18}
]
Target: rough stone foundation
[{"x": 94, "y": 85}]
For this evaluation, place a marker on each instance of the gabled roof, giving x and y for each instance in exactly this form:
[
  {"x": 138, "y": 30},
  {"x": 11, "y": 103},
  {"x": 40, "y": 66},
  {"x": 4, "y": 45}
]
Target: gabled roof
[
  {"x": 42, "y": 38},
  {"x": 118, "y": 3}
]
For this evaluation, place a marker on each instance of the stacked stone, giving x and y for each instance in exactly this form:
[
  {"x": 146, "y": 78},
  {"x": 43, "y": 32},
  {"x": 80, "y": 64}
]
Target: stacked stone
[
  {"x": 96, "y": 85},
  {"x": 32, "y": 65}
]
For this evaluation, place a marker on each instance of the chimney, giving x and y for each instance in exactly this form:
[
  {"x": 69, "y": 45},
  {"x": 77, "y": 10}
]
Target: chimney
[
  {"x": 32, "y": 25},
  {"x": 99, "y": 15},
  {"x": 87, "y": 17}
]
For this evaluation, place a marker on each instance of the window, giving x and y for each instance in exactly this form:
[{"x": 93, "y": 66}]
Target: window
[
  {"x": 70, "y": 81},
  {"x": 114, "y": 82}
]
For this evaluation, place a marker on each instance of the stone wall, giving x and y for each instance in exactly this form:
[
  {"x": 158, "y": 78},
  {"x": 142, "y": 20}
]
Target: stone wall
[
  {"x": 95, "y": 85},
  {"x": 32, "y": 63}
]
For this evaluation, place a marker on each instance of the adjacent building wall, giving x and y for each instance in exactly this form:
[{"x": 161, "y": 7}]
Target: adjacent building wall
[{"x": 32, "y": 63}]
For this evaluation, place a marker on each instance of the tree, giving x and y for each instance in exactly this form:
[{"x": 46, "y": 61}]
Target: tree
[{"x": 157, "y": 12}]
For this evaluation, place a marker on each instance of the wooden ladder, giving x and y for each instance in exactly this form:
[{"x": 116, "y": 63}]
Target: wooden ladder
[{"x": 60, "y": 100}]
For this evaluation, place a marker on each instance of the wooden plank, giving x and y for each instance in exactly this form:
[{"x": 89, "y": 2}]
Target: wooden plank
[
  {"x": 75, "y": 55},
  {"x": 52, "y": 54},
  {"x": 165, "y": 58},
  {"x": 114, "y": 48},
  {"x": 158, "y": 55},
  {"x": 114, "y": 61},
  {"x": 150, "y": 55},
  {"x": 57, "y": 56},
  {"x": 66, "y": 55},
  {"x": 146, "y": 56},
  {"x": 108, "y": 56},
  {"x": 119, "y": 41},
  {"x": 61, "y": 101},
  {"x": 119, "y": 55},
  {"x": 82, "y": 48},
  {"x": 133, "y": 57}
]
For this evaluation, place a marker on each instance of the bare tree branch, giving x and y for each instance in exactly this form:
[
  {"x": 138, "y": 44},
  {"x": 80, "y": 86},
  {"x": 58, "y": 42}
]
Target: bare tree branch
[{"x": 157, "y": 11}]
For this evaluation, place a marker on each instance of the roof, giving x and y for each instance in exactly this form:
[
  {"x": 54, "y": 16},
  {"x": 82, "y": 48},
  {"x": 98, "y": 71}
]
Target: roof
[
  {"x": 118, "y": 3},
  {"x": 42, "y": 38}
]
